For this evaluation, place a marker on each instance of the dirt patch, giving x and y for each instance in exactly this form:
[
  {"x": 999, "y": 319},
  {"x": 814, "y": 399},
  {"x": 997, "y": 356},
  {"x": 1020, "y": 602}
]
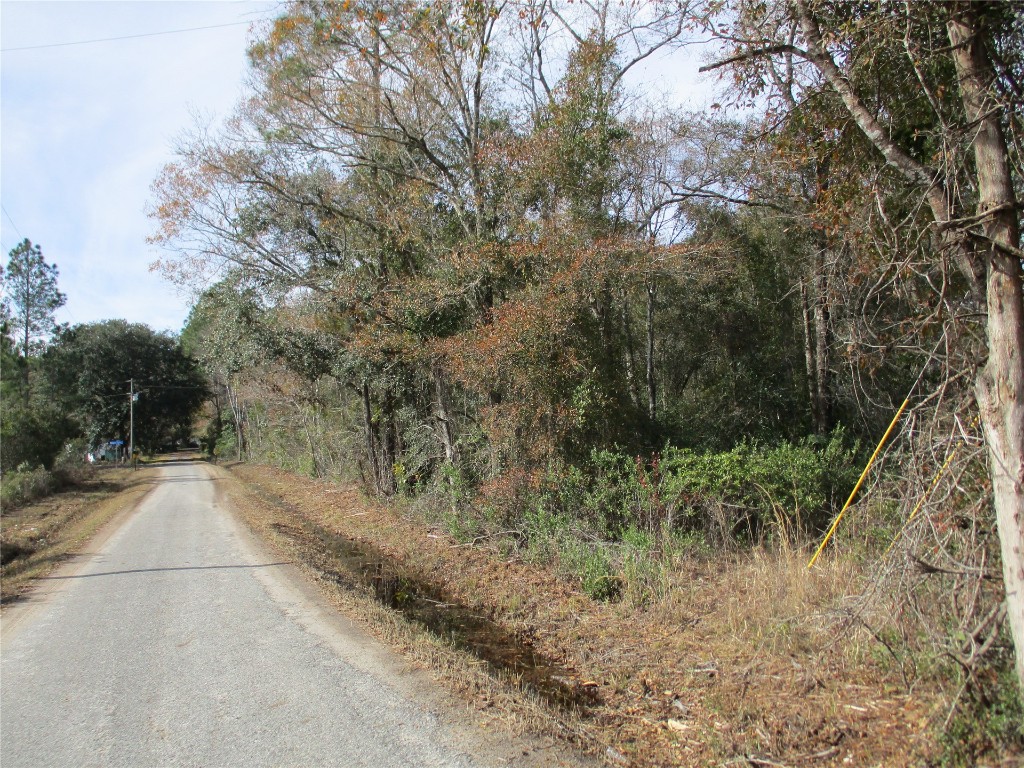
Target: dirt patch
[
  {"x": 698, "y": 678},
  {"x": 36, "y": 538}
]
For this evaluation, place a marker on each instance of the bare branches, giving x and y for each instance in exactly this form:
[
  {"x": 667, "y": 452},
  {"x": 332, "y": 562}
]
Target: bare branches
[{"x": 756, "y": 53}]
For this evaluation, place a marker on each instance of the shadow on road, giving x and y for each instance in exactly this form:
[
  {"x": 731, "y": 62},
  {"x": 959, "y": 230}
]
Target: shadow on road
[{"x": 158, "y": 570}]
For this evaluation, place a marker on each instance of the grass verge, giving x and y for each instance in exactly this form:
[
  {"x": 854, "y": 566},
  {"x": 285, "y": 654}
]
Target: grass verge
[
  {"x": 37, "y": 537},
  {"x": 741, "y": 659}
]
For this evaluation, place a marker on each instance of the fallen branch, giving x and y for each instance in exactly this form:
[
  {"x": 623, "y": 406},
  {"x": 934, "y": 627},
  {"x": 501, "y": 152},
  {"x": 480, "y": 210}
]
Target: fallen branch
[
  {"x": 485, "y": 536},
  {"x": 764, "y": 761}
]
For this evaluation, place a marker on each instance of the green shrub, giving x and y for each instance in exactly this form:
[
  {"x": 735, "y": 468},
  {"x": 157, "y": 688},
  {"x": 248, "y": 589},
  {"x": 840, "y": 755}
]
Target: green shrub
[
  {"x": 32, "y": 436},
  {"x": 749, "y": 492},
  {"x": 25, "y": 485},
  {"x": 70, "y": 465},
  {"x": 619, "y": 523},
  {"x": 592, "y": 565},
  {"x": 989, "y": 719},
  {"x": 544, "y": 531}
]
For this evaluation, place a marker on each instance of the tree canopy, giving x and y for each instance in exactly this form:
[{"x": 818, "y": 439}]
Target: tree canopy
[
  {"x": 87, "y": 370},
  {"x": 30, "y": 288}
]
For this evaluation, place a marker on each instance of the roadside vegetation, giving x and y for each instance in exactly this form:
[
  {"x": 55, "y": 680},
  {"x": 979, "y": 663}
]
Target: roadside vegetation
[
  {"x": 607, "y": 371},
  {"x": 704, "y": 654},
  {"x": 454, "y": 253},
  {"x": 64, "y": 393},
  {"x": 49, "y": 515},
  {"x": 24, "y": 484}
]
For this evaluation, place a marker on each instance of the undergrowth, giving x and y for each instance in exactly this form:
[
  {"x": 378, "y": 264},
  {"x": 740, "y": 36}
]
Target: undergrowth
[
  {"x": 27, "y": 484},
  {"x": 987, "y": 719},
  {"x": 634, "y": 530},
  {"x": 728, "y": 535},
  {"x": 618, "y": 523}
]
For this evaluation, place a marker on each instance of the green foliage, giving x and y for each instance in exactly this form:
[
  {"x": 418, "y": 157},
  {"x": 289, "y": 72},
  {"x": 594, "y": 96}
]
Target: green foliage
[
  {"x": 28, "y": 483},
  {"x": 750, "y": 492},
  {"x": 989, "y": 719},
  {"x": 87, "y": 372},
  {"x": 31, "y": 435},
  {"x": 784, "y": 489},
  {"x": 32, "y": 429},
  {"x": 617, "y": 523},
  {"x": 25, "y": 485},
  {"x": 224, "y": 443},
  {"x": 592, "y": 564},
  {"x": 731, "y": 352},
  {"x": 552, "y": 536},
  {"x": 30, "y": 288}
]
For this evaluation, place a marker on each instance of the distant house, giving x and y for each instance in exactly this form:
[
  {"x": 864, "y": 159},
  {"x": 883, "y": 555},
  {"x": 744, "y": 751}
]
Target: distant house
[{"x": 111, "y": 450}]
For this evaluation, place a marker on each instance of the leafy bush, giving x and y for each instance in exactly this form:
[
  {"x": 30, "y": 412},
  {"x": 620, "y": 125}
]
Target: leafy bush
[
  {"x": 32, "y": 436},
  {"x": 26, "y": 485},
  {"x": 553, "y": 536},
  {"x": 591, "y": 563},
  {"x": 747, "y": 493},
  {"x": 753, "y": 491},
  {"x": 618, "y": 523}
]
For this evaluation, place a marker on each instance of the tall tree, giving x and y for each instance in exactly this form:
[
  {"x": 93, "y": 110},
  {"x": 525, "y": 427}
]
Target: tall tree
[
  {"x": 31, "y": 287},
  {"x": 934, "y": 90},
  {"x": 88, "y": 369}
]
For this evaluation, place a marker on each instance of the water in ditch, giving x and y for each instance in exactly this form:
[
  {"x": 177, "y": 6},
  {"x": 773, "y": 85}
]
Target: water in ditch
[{"x": 361, "y": 565}]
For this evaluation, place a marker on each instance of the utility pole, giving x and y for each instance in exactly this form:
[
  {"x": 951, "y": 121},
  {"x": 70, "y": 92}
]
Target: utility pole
[{"x": 131, "y": 421}]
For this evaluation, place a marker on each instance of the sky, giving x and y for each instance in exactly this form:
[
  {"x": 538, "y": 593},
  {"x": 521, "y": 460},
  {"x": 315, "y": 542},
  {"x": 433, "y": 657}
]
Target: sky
[{"x": 86, "y": 128}]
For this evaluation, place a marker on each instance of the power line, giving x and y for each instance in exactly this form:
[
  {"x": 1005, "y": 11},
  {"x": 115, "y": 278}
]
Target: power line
[
  {"x": 12, "y": 222},
  {"x": 162, "y": 386},
  {"x": 122, "y": 37}
]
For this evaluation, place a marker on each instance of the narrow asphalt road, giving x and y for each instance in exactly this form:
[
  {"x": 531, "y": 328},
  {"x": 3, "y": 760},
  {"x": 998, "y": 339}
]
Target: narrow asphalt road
[{"x": 179, "y": 642}]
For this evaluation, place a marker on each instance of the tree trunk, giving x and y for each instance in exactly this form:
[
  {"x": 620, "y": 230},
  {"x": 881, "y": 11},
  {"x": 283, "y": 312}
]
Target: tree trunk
[
  {"x": 1000, "y": 386},
  {"x": 809, "y": 347},
  {"x": 991, "y": 259},
  {"x": 304, "y": 421},
  {"x": 652, "y": 394},
  {"x": 389, "y": 447},
  {"x": 371, "y": 448},
  {"x": 630, "y": 359},
  {"x": 822, "y": 357},
  {"x": 239, "y": 418},
  {"x": 26, "y": 393},
  {"x": 444, "y": 418}
]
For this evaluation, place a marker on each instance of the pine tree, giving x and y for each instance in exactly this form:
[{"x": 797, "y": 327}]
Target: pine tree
[{"x": 31, "y": 288}]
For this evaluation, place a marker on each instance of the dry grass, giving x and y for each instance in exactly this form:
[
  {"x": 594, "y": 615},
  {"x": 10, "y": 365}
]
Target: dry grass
[
  {"x": 37, "y": 537},
  {"x": 770, "y": 597},
  {"x": 495, "y": 698},
  {"x": 743, "y": 658}
]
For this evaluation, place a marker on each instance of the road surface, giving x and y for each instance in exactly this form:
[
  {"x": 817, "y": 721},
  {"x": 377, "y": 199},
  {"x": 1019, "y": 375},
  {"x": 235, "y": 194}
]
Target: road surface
[{"x": 179, "y": 642}]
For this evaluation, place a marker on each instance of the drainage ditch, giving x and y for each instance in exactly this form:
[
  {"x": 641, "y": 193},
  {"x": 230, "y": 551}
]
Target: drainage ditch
[{"x": 359, "y": 565}]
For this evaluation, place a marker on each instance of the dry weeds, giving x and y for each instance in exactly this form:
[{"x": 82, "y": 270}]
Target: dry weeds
[
  {"x": 747, "y": 660},
  {"x": 38, "y": 537}
]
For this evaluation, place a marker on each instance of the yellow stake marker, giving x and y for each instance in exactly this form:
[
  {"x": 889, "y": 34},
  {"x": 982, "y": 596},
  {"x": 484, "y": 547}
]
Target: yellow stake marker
[
  {"x": 860, "y": 482},
  {"x": 929, "y": 492},
  {"x": 924, "y": 498}
]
